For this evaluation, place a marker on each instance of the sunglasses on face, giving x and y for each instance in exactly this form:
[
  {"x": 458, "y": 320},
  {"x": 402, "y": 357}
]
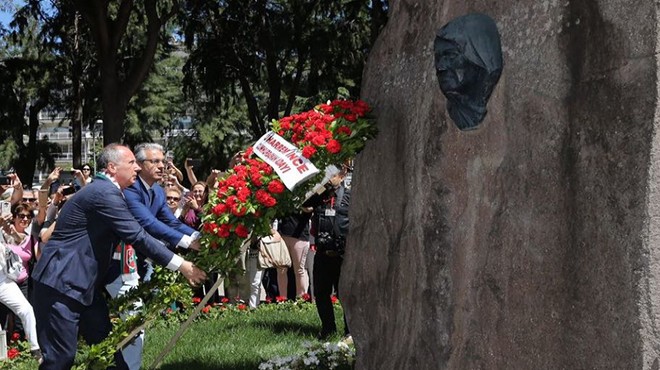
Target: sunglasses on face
[
  {"x": 176, "y": 199},
  {"x": 86, "y": 169},
  {"x": 24, "y": 216},
  {"x": 29, "y": 199}
]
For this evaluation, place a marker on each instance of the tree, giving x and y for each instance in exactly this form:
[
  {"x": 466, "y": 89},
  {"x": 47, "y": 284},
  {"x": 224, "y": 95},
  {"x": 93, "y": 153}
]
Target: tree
[
  {"x": 27, "y": 78},
  {"x": 274, "y": 55},
  {"x": 124, "y": 59}
]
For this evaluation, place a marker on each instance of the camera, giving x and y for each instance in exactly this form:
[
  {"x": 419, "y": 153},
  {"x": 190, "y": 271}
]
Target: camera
[
  {"x": 194, "y": 162},
  {"x": 69, "y": 190},
  {"x": 326, "y": 241},
  {"x": 4, "y": 180}
]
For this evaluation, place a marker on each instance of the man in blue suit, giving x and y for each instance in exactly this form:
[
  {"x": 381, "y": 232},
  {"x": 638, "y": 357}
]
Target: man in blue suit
[
  {"x": 74, "y": 263},
  {"x": 146, "y": 201}
]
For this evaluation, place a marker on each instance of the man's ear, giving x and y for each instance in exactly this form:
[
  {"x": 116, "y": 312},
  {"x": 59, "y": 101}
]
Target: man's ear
[{"x": 111, "y": 168}]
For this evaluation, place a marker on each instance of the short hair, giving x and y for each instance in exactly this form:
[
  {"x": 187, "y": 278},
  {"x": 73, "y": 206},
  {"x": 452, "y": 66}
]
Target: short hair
[
  {"x": 111, "y": 153},
  {"x": 19, "y": 207},
  {"x": 174, "y": 189},
  {"x": 140, "y": 150}
]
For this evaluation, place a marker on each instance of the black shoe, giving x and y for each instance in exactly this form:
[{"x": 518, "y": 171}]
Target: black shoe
[{"x": 36, "y": 353}]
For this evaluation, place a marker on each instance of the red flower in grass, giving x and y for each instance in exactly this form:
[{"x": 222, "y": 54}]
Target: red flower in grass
[
  {"x": 196, "y": 300},
  {"x": 241, "y": 307},
  {"x": 280, "y": 299},
  {"x": 12, "y": 353},
  {"x": 334, "y": 299},
  {"x": 276, "y": 187},
  {"x": 206, "y": 309},
  {"x": 306, "y": 297},
  {"x": 224, "y": 300},
  {"x": 333, "y": 146}
]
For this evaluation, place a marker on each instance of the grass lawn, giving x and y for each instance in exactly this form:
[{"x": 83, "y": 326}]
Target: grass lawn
[
  {"x": 238, "y": 339},
  {"x": 232, "y": 339}
]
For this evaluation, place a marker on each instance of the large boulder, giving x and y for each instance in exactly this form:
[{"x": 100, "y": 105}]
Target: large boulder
[{"x": 533, "y": 241}]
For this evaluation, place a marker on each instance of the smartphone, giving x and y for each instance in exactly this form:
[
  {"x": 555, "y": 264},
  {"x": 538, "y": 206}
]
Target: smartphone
[
  {"x": 6, "y": 208},
  {"x": 69, "y": 190},
  {"x": 4, "y": 180},
  {"x": 194, "y": 162}
]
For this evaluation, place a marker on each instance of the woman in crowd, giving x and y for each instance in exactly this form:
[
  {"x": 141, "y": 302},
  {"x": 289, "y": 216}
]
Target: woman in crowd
[
  {"x": 12, "y": 297},
  {"x": 294, "y": 229},
  {"x": 22, "y": 237},
  {"x": 173, "y": 198},
  {"x": 195, "y": 201}
]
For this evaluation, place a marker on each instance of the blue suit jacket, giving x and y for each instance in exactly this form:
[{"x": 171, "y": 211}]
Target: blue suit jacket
[
  {"x": 155, "y": 216},
  {"x": 90, "y": 225}
]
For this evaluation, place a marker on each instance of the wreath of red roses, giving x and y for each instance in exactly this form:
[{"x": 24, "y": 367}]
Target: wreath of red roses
[{"x": 251, "y": 194}]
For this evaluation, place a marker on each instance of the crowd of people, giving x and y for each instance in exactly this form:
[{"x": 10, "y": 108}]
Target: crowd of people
[{"x": 81, "y": 234}]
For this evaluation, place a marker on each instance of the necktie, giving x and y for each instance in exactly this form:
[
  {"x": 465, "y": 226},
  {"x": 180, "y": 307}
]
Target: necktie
[{"x": 152, "y": 195}]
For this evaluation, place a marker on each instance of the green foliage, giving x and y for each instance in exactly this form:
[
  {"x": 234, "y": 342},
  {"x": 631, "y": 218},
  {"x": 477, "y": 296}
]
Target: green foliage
[
  {"x": 269, "y": 58},
  {"x": 236, "y": 339}
]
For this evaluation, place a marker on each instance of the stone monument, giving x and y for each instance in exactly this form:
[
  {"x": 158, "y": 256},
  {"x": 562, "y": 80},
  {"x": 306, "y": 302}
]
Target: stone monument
[{"x": 533, "y": 241}]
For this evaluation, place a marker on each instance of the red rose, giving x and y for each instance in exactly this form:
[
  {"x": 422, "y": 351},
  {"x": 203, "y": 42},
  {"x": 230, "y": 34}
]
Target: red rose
[
  {"x": 276, "y": 187},
  {"x": 219, "y": 209},
  {"x": 333, "y": 146},
  {"x": 265, "y": 199},
  {"x": 206, "y": 309},
  {"x": 223, "y": 231},
  {"x": 334, "y": 299},
  {"x": 224, "y": 300},
  {"x": 242, "y": 307},
  {"x": 248, "y": 152},
  {"x": 231, "y": 200},
  {"x": 13, "y": 353},
  {"x": 209, "y": 227},
  {"x": 243, "y": 194},
  {"x": 256, "y": 179},
  {"x": 241, "y": 231},
  {"x": 196, "y": 300},
  {"x": 280, "y": 299},
  {"x": 308, "y": 151},
  {"x": 15, "y": 336},
  {"x": 344, "y": 130},
  {"x": 306, "y": 297},
  {"x": 238, "y": 210},
  {"x": 326, "y": 108},
  {"x": 351, "y": 117},
  {"x": 318, "y": 140}
]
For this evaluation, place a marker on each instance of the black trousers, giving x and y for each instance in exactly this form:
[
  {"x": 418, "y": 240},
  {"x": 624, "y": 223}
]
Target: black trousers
[
  {"x": 326, "y": 278},
  {"x": 59, "y": 321}
]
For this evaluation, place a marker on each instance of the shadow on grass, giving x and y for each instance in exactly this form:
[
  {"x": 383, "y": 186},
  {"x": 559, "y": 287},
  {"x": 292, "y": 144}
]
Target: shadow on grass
[
  {"x": 288, "y": 327},
  {"x": 199, "y": 365}
]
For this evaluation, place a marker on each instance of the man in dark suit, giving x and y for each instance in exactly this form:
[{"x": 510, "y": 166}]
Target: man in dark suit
[
  {"x": 74, "y": 262},
  {"x": 146, "y": 202}
]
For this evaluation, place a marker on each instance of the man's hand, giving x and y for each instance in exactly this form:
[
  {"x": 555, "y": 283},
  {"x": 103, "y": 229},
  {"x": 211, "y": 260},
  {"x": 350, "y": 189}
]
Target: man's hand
[
  {"x": 195, "y": 245},
  {"x": 54, "y": 175},
  {"x": 194, "y": 275}
]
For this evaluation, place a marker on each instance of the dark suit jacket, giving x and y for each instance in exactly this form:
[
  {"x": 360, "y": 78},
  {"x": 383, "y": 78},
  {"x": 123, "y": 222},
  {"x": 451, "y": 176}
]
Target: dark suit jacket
[
  {"x": 155, "y": 216},
  {"x": 76, "y": 258}
]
